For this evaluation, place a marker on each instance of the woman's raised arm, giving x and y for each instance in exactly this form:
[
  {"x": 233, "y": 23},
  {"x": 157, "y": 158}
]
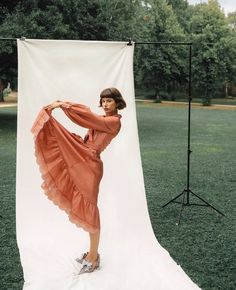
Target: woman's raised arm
[{"x": 82, "y": 115}]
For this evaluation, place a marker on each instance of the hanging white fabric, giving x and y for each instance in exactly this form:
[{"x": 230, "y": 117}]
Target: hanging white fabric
[{"x": 131, "y": 257}]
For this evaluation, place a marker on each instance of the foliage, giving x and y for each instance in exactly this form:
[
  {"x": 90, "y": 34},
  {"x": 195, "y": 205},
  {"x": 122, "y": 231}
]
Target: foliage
[
  {"x": 180, "y": 8},
  {"x": 231, "y": 19},
  {"x": 214, "y": 49},
  {"x": 120, "y": 19},
  {"x": 157, "y": 67}
]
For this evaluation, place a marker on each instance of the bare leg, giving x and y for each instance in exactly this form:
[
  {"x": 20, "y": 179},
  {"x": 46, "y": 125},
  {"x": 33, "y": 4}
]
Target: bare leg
[{"x": 94, "y": 242}]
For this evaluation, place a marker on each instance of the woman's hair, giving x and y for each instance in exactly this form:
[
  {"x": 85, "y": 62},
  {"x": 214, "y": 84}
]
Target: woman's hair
[{"x": 114, "y": 94}]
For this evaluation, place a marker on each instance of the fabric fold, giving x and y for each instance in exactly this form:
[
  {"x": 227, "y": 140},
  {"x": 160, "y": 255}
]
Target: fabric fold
[
  {"x": 71, "y": 167},
  {"x": 57, "y": 184}
]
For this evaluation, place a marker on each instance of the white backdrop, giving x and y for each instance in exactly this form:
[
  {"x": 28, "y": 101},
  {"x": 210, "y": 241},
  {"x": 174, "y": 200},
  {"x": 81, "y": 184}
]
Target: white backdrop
[{"x": 131, "y": 257}]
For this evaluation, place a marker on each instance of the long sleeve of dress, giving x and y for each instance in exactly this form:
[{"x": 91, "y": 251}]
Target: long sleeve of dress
[{"x": 82, "y": 115}]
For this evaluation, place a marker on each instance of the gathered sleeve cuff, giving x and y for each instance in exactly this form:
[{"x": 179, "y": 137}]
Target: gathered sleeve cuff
[
  {"x": 42, "y": 117},
  {"x": 83, "y": 116}
]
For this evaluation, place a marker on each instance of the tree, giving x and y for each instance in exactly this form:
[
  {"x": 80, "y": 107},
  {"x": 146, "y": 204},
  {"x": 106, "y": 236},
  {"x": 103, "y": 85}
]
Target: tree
[
  {"x": 231, "y": 19},
  {"x": 162, "y": 68},
  {"x": 180, "y": 8},
  {"x": 121, "y": 19},
  {"x": 211, "y": 38}
]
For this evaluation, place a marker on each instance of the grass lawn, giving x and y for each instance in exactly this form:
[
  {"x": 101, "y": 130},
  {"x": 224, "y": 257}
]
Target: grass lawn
[
  {"x": 11, "y": 277},
  {"x": 204, "y": 243}
]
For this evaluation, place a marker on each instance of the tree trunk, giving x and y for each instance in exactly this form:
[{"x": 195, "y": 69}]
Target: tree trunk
[
  {"x": 226, "y": 90},
  {"x": 1, "y": 91}
]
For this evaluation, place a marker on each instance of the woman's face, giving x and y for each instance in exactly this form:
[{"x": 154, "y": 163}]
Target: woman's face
[{"x": 109, "y": 106}]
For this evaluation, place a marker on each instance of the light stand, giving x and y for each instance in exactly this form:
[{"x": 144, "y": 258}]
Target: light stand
[{"x": 186, "y": 192}]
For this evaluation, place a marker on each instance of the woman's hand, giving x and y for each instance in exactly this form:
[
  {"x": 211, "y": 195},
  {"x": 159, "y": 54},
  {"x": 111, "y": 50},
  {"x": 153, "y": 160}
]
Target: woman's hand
[{"x": 53, "y": 105}]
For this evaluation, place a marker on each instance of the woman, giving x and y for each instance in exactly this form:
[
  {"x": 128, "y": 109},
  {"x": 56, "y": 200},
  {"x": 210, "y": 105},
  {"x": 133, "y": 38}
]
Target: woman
[{"x": 71, "y": 166}]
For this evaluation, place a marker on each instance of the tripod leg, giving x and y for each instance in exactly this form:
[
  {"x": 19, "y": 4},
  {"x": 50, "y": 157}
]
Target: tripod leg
[
  {"x": 181, "y": 210},
  {"x": 207, "y": 203},
  {"x": 174, "y": 198}
]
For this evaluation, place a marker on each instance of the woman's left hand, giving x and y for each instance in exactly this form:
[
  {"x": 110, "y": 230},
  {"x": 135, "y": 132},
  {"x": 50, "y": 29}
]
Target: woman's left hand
[{"x": 53, "y": 105}]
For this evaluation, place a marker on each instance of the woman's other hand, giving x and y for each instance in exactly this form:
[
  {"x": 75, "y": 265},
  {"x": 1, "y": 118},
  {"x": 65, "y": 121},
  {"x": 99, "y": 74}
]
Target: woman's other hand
[{"x": 54, "y": 105}]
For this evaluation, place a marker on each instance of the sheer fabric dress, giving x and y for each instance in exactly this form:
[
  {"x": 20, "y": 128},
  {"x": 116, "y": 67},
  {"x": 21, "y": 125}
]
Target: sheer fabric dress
[{"x": 71, "y": 167}]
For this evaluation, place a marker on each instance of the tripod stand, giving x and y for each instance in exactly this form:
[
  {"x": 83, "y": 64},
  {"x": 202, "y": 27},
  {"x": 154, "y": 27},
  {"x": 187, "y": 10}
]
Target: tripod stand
[{"x": 186, "y": 192}]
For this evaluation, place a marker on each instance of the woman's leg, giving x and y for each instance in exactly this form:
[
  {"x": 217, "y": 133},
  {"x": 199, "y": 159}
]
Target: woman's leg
[{"x": 93, "y": 252}]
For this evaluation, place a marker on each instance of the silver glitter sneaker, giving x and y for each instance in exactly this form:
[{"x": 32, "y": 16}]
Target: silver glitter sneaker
[
  {"x": 81, "y": 258},
  {"x": 87, "y": 267}
]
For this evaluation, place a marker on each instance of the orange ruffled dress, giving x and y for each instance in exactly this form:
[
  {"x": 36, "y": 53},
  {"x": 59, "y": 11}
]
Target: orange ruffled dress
[{"x": 71, "y": 167}]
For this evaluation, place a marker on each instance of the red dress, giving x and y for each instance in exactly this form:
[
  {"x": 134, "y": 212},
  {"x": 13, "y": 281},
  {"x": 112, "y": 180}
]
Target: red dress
[{"x": 71, "y": 167}]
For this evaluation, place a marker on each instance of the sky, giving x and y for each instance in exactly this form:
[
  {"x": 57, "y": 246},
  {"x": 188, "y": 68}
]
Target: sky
[{"x": 227, "y": 5}]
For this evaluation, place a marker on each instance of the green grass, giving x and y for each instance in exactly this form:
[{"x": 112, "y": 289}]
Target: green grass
[
  {"x": 11, "y": 276},
  {"x": 204, "y": 243}
]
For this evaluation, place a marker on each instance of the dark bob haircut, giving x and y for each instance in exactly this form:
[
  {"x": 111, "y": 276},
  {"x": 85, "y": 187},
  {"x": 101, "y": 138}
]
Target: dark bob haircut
[{"x": 114, "y": 94}]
